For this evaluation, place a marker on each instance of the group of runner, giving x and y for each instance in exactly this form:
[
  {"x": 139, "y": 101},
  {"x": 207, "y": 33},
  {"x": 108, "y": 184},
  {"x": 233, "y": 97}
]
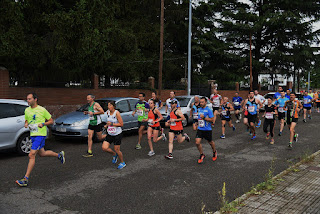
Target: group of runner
[{"x": 283, "y": 105}]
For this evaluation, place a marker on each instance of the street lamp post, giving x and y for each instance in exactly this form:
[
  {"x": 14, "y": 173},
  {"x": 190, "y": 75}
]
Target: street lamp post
[{"x": 189, "y": 48}]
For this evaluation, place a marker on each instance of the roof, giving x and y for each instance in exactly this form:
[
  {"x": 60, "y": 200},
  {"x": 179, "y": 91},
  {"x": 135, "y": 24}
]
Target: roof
[{"x": 12, "y": 101}]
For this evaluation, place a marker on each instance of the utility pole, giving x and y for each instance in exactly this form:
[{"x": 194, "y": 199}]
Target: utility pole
[
  {"x": 161, "y": 48},
  {"x": 189, "y": 48},
  {"x": 250, "y": 62},
  {"x": 308, "y": 81}
]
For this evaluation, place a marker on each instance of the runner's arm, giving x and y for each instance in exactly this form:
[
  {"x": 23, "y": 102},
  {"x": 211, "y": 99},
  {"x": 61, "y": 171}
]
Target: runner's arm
[
  {"x": 119, "y": 118},
  {"x": 47, "y": 123},
  {"x": 160, "y": 117},
  {"x": 231, "y": 107},
  {"x": 179, "y": 113},
  {"x": 26, "y": 124},
  {"x": 99, "y": 109}
]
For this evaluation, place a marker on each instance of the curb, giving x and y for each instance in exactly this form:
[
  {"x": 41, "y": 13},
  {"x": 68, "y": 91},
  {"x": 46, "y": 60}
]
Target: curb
[{"x": 281, "y": 174}]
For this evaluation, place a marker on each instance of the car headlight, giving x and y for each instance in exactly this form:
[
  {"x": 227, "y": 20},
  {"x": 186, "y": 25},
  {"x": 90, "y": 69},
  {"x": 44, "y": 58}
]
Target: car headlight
[{"x": 79, "y": 123}]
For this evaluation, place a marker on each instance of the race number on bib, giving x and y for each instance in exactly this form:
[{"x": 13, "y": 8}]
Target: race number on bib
[
  {"x": 224, "y": 112},
  {"x": 111, "y": 130},
  {"x": 236, "y": 103},
  {"x": 215, "y": 102},
  {"x": 195, "y": 115},
  {"x": 140, "y": 112},
  {"x": 281, "y": 110},
  {"x": 150, "y": 122},
  {"x": 33, "y": 127},
  {"x": 173, "y": 124},
  {"x": 91, "y": 117},
  {"x": 251, "y": 108},
  {"x": 306, "y": 101},
  {"x": 201, "y": 123},
  {"x": 269, "y": 115}
]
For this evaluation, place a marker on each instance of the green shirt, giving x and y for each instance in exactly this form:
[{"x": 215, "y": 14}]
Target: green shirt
[
  {"x": 35, "y": 116},
  {"x": 141, "y": 110},
  {"x": 94, "y": 119}
]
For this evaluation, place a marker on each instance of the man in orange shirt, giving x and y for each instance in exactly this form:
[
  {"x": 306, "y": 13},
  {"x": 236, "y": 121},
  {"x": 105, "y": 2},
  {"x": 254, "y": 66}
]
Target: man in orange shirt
[{"x": 317, "y": 100}]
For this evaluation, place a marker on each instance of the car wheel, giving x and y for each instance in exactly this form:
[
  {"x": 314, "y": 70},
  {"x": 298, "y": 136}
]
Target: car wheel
[
  {"x": 185, "y": 122},
  {"x": 24, "y": 144}
]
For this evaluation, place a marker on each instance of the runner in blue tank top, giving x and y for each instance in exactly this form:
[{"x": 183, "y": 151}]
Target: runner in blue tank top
[
  {"x": 307, "y": 104},
  {"x": 280, "y": 102},
  {"x": 237, "y": 101}
]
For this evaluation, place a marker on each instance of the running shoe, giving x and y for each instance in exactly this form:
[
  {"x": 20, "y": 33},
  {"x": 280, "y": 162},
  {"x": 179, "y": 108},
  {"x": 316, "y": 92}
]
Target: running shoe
[
  {"x": 223, "y": 136},
  {"x": 200, "y": 160},
  {"x": 272, "y": 141},
  {"x": 215, "y": 156},
  {"x": 309, "y": 116},
  {"x": 212, "y": 125},
  {"x": 169, "y": 156},
  {"x": 290, "y": 145},
  {"x": 295, "y": 138},
  {"x": 268, "y": 135},
  {"x": 164, "y": 137},
  {"x": 22, "y": 182},
  {"x": 122, "y": 165},
  {"x": 187, "y": 137},
  {"x": 253, "y": 137},
  {"x": 175, "y": 138},
  {"x": 61, "y": 157},
  {"x": 88, "y": 155},
  {"x": 240, "y": 116},
  {"x": 151, "y": 153},
  {"x": 233, "y": 128},
  {"x": 250, "y": 133},
  {"x": 237, "y": 121},
  {"x": 259, "y": 124},
  {"x": 115, "y": 159},
  {"x": 304, "y": 120},
  {"x": 280, "y": 133},
  {"x": 138, "y": 146}
]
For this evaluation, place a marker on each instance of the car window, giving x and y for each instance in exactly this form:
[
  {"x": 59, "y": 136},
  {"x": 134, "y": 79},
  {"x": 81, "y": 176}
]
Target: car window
[
  {"x": 103, "y": 104},
  {"x": 122, "y": 106},
  {"x": 8, "y": 110},
  {"x": 183, "y": 101},
  {"x": 20, "y": 109},
  {"x": 132, "y": 103}
]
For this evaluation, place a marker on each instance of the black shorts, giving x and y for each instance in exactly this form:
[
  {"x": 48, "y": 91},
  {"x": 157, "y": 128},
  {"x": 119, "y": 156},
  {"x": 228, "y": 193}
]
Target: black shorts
[
  {"x": 252, "y": 118},
  {"x": 215, "y": 109},
  {"x": 237, "y": 108},
  {"x": 96, "y": 128},
  {"x": 308, "y": 108},
  {"x": 318, "y": 104},
  {"x": 156, "y": 128},
  {"x": 141, "y": 123},
  {"x": 281, "y": 115},
  {"x": 207, "y": 135},
  {"x": 116, "y": 140},
  {"x": 291, "y": 120},
  {"x": 176, "y": 132},
  {"x": 194, "y": 120},
  {"x": 226, "y": 118}
]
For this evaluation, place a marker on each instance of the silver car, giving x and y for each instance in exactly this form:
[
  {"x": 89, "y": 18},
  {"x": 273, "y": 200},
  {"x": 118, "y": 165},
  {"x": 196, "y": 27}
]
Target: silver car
[
  {"x": 12, "y": 131},
  {"x": 75, "y": 124},
  {"x": 185, "y": 105}
]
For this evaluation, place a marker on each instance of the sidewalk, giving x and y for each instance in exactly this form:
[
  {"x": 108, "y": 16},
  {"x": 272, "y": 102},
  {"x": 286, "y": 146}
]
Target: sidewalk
[{"x": 298, "y": 191}]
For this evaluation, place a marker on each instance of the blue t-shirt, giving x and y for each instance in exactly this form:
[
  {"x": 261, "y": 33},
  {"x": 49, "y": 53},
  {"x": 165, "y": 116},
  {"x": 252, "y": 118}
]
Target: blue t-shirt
[
  {"x": 252, "y": 107},
  {"x": 281, "y": 102},
  {"x": 202, "y": 124},
  {"x": 277, "y": 95},
  {"x": 307, "y": 99},
  {"x": 236, "y": 102},
  {"x": 288, "y": 96}
]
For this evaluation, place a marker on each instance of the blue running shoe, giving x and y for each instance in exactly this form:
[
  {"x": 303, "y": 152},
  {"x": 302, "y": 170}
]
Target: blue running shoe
[
  {"x": 22, "y": 182},
  {"x": 223, "y": 136},
  {"x": 115, "y": 159},
  {"x": 253, "y": 137},
  {"x": 233, "y": 128},
  {"x": 61, "y": 157},
  {"x": 122, "y": 165},
  {"x": 259, "y": 124}
]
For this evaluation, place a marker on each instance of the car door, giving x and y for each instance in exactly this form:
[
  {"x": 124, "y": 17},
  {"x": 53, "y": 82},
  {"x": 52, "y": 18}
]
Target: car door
[
  {"x": 134, "y": 119},
  {"x": 123, "y": 107},
  {"x": 11, "y": 121}
]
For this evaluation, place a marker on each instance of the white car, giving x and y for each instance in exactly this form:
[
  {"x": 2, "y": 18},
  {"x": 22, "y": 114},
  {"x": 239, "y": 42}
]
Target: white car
[{"x": 185, "y": 105}]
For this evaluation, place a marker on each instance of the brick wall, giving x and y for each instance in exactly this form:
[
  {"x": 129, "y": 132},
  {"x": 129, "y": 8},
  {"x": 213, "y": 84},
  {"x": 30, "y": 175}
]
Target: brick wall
[{"x": 4, "y": 82}]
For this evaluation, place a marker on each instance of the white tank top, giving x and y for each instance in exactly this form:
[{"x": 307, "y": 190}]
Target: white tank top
[{"x": 113, "y": 130}]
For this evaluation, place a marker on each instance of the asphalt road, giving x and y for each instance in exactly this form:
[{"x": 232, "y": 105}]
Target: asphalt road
[{"x": 149, "y": 184}]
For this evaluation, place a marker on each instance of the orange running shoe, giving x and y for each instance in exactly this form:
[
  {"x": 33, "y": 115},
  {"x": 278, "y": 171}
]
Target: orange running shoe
[
  {"x": 215, "y": 156},
  {"x": 200, "y": 160}
]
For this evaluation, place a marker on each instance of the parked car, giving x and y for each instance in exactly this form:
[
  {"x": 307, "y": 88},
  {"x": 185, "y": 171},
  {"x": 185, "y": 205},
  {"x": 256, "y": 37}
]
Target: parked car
[
  {"x": 13, "y": 134},
  {"x": 75, "y": 124},
  {"x": 185, "y": 105}
]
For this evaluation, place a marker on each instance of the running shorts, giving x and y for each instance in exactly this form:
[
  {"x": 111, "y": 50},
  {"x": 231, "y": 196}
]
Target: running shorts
[
  {"x": 176, "y": 132},
  {"x": 207, "y": 135},
  {"x": 37, "y": 142},
  {"x": 116, "y": 140},
  {"x": 96, "y": 128},
  {"x": 252, "y": 118}
]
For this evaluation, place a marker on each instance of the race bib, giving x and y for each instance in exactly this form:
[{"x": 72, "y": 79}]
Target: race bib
[
  {"x": 224, "y": 112},
  {"x": 215, "y": 102},
  {"x": 150, "y": 122},
  {"x": 281, "y": 110},
  {"x": 306, "y": 101},
  {"x": 173, "y": 124},
  {"x": 269, "y": 115},
  {"x": 111, "y": 130},
  {"x": 201, "y": 123},
  {"x": 33, "y": 127},
  {"x": 140, "y": 112},
  {"x": 195, "y": 115},
  {"x": 251, "y": 108},
  {"x": 236, "y": 103}
]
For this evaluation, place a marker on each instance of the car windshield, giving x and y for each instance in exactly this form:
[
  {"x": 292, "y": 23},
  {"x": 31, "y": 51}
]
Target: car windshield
[
  {"x": 103, "y": 104},
  {"x": 183, "y": 101}
]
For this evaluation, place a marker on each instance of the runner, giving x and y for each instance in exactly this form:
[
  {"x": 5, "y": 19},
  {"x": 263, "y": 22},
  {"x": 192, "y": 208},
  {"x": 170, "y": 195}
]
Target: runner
[
  {"x": 154, "y": 118},
  {"x": 293, "y": 108},
  {"x": 280, "y": 102},
  {"x": 277, "y": 94},
  {"x": 168, "y": 103},
  {"x": 37, "y": 119},
  {"x": 114, "y": 136},
  {"x": 252, "y": 106},
  {"x": 205, "y": 118},
  {"x": 245, "y": 115},
  {"x": 317, "y": 98},
  {"x": 141, "y": 108},
  {"x": 95, "y": 123},
  {"x": 215, "y": 99},
  {"x": 288, "y": 94},
  {"x": 225, "y": 114},
  {"x": 157, "y": 102},
  {"x": 261, "y": 99},
  {"x": 237, "y": 102},
  {"x": 176, "y": 128},
  {"x": 194, "y": 112},
  {"x": 270, "y": 120},
  {"x": 307, "y": 104}
]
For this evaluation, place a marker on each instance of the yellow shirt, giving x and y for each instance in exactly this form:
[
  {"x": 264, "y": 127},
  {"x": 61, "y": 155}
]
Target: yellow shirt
[{"x": 35, "y": 116}]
